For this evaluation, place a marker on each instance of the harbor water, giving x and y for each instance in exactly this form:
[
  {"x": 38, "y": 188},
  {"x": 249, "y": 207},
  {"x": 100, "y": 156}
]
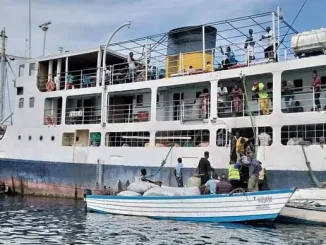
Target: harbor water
[{"x": 39, "y": 220}]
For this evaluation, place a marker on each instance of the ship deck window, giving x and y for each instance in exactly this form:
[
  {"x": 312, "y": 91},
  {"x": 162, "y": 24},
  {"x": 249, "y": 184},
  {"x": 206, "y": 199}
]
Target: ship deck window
[
  {"x": 302, "y": 98},
  {"x": 20, "y": 90},
  {"x": 31, "y": 102},
  {"x": 95, "y": 139},
  {"x": 68, "y": 139},
  {"x": 32, "y": 68},
  {"x": 294, "y": 134},
  {"x": 21, "y": 103},
  {"x": 21, "y": 70},
  {"x": 231, "y": 97},
  {"x": 84, "y": 109},
  {"x": 182, "y": 138},
  {"x": 126, "y": 107},
  {"x": 52, "y": 111},
  {"x": 127, "y": 139},
  {"x": 186, "y": 102}
]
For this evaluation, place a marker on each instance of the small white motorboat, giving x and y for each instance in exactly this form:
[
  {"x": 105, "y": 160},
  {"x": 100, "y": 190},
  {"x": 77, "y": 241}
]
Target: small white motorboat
[
  {"x": 237, "y": 207},
  {"x": 307, "y": 212},
  {"x": 310, "y": 194}
]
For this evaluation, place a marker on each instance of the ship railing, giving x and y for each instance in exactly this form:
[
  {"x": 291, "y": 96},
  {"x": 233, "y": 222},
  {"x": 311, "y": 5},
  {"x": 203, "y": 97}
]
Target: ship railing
[
  {"x": 69, "y": 80},
  {"x": 129, "y": 113},
  {"x": 304, "y": 99},
  {"x": 236, "y": 106},
  {"x": 190, "y": 109},
  {"x": 52, "y": 117},
  {"x": 83, "y": 115}
]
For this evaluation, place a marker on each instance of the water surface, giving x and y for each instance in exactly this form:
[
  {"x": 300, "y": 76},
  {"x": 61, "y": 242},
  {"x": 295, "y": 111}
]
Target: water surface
[{"x": 34, "y": 220}]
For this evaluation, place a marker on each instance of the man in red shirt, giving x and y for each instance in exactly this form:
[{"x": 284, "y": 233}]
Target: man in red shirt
[{"x": 316, "y": 86}]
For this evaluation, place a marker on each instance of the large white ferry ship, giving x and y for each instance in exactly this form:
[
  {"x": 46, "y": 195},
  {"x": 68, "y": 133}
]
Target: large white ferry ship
[{"x": 78, "y": 125}]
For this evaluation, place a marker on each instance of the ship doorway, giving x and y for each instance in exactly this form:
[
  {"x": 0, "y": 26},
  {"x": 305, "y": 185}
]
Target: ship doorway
[{"x": 177, "y": 99}]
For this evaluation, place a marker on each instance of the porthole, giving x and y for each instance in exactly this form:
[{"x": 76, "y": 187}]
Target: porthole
[
  {"x": 30, "y": 137},
  {"x": 77, "y": 138},
  {"x": 41, "y": 138},
  {"x": 19, "y": 137},
  {"x": 52, "y": 138}
]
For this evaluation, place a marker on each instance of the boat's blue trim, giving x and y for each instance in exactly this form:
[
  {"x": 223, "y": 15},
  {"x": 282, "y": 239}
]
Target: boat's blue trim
[
  {"x": 192, "y": 197},
  {"x": 209, "y": 219},
  {"x": 289, "y": 220}
]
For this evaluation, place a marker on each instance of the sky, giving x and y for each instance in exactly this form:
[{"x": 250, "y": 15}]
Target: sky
[{"x": 82, "y": 24}]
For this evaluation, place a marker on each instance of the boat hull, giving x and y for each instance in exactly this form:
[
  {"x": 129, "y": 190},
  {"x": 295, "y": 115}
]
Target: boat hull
[
  {"x": 265, "y": 205},
  {"x": 303, "y": 215}
]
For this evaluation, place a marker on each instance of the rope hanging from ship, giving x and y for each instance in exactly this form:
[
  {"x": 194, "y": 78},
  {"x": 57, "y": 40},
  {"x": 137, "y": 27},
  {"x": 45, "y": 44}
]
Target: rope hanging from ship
[{"x": 162, "y": 163}]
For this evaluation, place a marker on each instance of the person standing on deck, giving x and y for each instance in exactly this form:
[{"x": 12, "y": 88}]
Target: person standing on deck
[
  {"x": 316, "y": 86},
  {"x": 288, "y": 93},
  {"x": 237, "y": 99},
  {"x": 204, "y": 103},
  {"x": 222, "y": 91},
  {"x": 233, "y": 142},
  {"x": 204, "y": 168},
  {"x": 259, "y": 88},
  {"x": 132, "y": 66},
  {"x": 178, "y": 172},
  {"x": 249, "y": 46},
  {"x": 269, "y": 51},
  {"x": 234, "y": 176},
  {"x": 254, "y": 170},
  {"x": 239, "y": 147}
]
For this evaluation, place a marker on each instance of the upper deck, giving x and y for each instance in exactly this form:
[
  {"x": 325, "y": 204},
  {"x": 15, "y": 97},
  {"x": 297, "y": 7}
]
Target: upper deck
[{"x": 182, "y": 51}]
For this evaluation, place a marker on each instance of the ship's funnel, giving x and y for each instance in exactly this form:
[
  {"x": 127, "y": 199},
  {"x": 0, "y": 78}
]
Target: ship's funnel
[{"x": 185, "y": 48}]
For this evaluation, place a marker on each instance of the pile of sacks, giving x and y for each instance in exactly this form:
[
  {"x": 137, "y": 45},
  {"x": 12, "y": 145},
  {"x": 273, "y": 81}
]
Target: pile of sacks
[{"x": 148, "y": 189}]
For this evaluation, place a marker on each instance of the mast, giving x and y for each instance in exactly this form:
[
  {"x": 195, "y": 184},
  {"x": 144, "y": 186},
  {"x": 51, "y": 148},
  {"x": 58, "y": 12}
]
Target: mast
[
  {"x": 29, "y": 29},
  {"x": 2, "y": 73}
]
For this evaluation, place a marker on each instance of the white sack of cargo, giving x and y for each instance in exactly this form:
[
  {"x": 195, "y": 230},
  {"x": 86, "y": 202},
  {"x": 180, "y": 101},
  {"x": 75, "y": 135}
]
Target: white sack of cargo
[
  {"x": 129, "y": 194},
  {"x": 191, "y": 191},
  {"x": 172, "y": 191},
  {"x": 158, "y": 191},
  {"x": 309, "y": 41},
  {"x": 193, "y": 181},
  {"x": 140, "y": 187}
]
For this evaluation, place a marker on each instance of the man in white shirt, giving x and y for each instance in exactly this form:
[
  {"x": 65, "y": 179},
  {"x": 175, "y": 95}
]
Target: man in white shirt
[
  {"x": 221, "y": 92},
  {"x": 269, "y": 35},
  {"x": 264, "y": 139}
]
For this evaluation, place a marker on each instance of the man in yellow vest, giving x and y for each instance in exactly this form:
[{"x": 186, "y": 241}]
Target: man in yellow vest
[
  {"x": 258, "y": 88},
  {"x": 234, "y": 175}
]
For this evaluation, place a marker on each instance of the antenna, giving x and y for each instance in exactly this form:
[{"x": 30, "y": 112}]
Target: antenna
[
  {"x": 44, "y": 27},
  {"x": 2, "y": 72},
  {"x": 29, "y": 29}
]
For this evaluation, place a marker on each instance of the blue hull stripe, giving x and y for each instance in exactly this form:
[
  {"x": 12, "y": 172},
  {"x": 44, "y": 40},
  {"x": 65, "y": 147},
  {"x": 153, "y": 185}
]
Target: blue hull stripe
[
  {"x": 191, "y": 197},
  {"x": 209, "y": 219}
]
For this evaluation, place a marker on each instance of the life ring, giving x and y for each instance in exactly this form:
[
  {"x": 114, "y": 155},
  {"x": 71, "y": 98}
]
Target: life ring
[
  {"x": 50, "y": 86},
  {"x": 49, "y": 120}
]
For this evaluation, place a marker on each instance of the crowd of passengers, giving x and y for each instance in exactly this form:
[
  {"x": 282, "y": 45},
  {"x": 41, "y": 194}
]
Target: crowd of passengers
[
  {"x": 237, "y": 103},
  {"x": 244, "y": 170}
]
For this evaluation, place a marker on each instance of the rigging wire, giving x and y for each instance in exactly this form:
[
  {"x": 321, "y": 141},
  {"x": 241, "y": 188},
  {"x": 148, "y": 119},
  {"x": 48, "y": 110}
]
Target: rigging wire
[{"x": 292, "y": 23}]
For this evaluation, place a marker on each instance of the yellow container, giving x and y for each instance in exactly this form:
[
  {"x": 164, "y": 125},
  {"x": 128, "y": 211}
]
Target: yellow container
[{"x": 180, "y": 63}]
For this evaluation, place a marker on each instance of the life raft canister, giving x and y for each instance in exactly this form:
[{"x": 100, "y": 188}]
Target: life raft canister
[{"x": 50, "y": 86}]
